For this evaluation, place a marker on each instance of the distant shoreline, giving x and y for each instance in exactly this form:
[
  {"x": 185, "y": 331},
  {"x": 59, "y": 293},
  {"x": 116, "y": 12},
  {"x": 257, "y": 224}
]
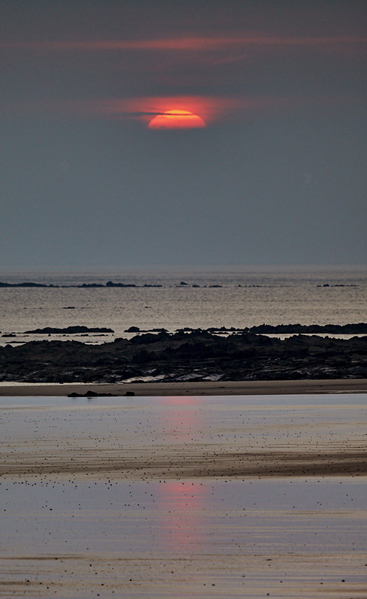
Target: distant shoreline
[
  {"x": 297, "y": 387},
  {"x": 32, "y": 284},
  {"x": 359, "y": 328},
  {"x": 112, "y": 284}
]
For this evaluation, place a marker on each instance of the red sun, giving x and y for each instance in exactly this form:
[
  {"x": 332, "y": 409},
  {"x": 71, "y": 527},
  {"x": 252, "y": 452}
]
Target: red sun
[{"x": 177, "y": 119}]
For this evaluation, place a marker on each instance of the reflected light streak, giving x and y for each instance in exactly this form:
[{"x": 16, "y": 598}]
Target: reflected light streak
[
  {"x": 182, "y": 504},
  {"x": 181, "y": 425}
]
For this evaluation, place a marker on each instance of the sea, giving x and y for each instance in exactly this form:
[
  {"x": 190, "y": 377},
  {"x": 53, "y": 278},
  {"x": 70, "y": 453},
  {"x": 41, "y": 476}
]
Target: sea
[{"x": 173, "y": 299}]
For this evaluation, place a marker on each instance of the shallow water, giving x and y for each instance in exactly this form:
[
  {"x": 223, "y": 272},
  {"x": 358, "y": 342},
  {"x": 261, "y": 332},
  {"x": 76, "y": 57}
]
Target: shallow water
[
  {"x": 244, "y": 298},
  {"x": 184, "y": 538},
  {"x": 110, "y": 534}
]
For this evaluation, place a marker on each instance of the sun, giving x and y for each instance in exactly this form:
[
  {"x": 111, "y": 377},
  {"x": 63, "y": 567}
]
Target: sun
[{"x": 177, "y": 119}]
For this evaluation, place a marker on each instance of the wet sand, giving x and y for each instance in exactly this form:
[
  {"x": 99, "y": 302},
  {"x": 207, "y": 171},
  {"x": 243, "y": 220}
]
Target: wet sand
[
  {"x": 238, "y": 496},
  {"x": 185, "y": 437},
  {"x": 184, "y": 539},
  {"x": 190, "y": 388}
]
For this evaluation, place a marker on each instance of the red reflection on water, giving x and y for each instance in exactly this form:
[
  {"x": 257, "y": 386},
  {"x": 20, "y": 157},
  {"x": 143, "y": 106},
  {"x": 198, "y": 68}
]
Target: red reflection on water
[
  {"x": 181, "y": 425},
  {"x": 180, "y": 401},
  {"x": 182, "y": 505},
  {"x": 182, "y": 502}
]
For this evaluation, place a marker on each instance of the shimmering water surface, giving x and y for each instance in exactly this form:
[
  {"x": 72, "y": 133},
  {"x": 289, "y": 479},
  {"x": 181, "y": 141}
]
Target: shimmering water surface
[
  {"x": 184, "y": 538},
  {"x": 231, "y": 298}
]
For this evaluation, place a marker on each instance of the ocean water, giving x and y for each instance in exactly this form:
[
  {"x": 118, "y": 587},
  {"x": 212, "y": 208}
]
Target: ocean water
[{"x": 231, "y": 297}]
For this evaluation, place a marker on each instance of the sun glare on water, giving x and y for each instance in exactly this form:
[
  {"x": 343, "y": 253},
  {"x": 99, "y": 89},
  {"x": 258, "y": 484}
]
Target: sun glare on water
[{"x": 176, "y": 119}]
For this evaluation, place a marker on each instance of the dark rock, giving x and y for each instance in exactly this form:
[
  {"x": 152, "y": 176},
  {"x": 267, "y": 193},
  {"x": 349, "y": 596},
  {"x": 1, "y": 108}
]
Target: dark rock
[
  {"x": 90, "y": 394},
  {"x": 25, "y": 284},
  {"x": 72, "y": 330},
  {"x": 186, "y": 355},
  {"x": 331, "y": 329},
  {"x": 112, "y": 284}
]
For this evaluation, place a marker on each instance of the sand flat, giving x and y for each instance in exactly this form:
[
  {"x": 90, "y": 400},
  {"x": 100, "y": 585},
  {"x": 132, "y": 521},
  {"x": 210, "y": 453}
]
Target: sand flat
[
  {"x": 221, "y": 388},
  {"x": 236, "y": 496},
  {"x": 185, "y": 437}
]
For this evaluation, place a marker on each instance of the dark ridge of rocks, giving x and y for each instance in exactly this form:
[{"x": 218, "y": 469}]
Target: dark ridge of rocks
[
  {"x": 112, "y": 284},
  {"x": 90, "y": 394},
  {"x": 81, "y": 286},
  {"x": 330, "y": 329},
  {"x": 195, "y": 355},
  {"x": 138, "y": 330},
  {"x": 294, "y": 329},
  {"x": 71, "y": 330},
  {"x": 338, "y": 285},
  {"x": 25, "y": 284}
]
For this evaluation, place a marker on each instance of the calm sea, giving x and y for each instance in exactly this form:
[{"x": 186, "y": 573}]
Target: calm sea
[{"x": 232, "y": 297}]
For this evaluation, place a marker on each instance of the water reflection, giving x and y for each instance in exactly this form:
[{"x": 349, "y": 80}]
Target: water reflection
[
  {"x": 182, "y": 504},
  {"x": 155, "y": 537},
  {"x": 181, "y": 419}
]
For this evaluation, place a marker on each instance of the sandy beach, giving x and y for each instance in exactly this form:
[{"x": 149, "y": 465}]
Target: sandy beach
[
  {"x": 176, "y": 436},
  {"x": 249, "y": 495},
  {"x": 188, "y": 388}
]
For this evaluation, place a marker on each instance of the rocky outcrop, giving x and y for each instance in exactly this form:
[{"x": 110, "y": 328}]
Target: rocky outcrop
[
  {"x": 72, "y": 330},
  {"x": 327, "y": 329},
  {"x": 196, "y": 355}
]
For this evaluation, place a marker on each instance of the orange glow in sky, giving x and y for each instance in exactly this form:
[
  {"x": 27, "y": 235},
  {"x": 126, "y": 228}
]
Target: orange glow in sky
[
  {"x": 179, "y": 112},
  {"x": 176, "y": 119}
]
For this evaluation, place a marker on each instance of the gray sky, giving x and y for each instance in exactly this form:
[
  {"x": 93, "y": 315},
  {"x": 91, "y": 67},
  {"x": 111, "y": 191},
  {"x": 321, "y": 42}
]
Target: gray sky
[{"x": 278, "y": 175}]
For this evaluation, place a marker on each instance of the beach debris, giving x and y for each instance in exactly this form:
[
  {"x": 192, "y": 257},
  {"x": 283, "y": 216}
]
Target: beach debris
[{"x": 90, "y": 394}]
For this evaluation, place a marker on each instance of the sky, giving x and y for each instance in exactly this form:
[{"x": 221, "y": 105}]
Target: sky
[{"x": 276, "y": 173}]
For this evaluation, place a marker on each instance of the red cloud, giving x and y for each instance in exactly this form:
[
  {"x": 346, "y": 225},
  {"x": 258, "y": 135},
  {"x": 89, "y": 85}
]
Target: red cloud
[
  {"x": 196, "y": 44},
  {"x": 210, "y": 109}
]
